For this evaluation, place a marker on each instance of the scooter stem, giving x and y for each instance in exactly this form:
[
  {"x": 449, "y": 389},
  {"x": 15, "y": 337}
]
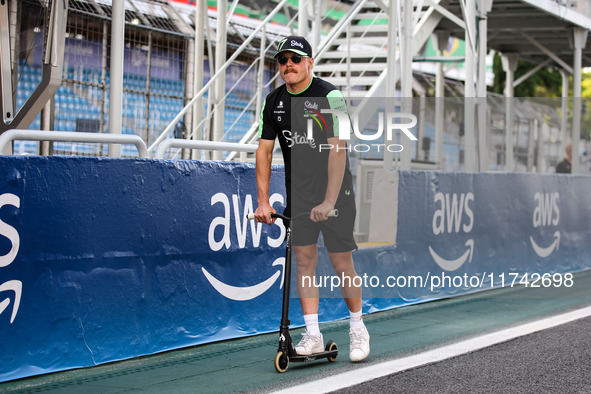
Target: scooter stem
[{"x": 286, "y": 282}]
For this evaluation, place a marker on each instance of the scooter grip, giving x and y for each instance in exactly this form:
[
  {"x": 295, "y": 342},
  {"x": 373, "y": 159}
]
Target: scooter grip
[{"x": 333, "y": 214}]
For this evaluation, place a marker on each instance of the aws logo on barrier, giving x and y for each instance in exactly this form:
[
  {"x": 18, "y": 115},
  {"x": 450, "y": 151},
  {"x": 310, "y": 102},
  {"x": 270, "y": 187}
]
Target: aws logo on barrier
[
  {"x": 453, "y": 215},
  {"x": 9, "y": 232},
  {"x": 240, "y": 225},
  {"x": 546, "y": 214}
]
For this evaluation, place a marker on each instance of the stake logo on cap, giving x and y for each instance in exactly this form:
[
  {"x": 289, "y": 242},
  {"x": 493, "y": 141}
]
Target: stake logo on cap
[{"x": 296, "y": 44}]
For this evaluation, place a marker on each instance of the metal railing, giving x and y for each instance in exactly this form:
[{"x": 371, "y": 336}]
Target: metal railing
[
  {"x": 208, "y": 145},
  {"x": 122, "y": 139},
  {"x": 76, "y": 136}
]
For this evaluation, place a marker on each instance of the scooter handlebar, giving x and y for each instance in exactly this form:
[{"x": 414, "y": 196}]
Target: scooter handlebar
[{"x": 331, "y": 214}]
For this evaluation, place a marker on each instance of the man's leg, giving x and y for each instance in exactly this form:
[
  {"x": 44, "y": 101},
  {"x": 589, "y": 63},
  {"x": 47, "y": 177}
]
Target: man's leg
[
  {"x": 345, "y": 269},
  {"x": 306, "y": 259}
]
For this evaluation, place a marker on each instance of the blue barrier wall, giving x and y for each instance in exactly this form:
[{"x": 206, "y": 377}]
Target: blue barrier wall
[
  {"x": 484, "y": 230},
  {"x": 107, "y": 259}
]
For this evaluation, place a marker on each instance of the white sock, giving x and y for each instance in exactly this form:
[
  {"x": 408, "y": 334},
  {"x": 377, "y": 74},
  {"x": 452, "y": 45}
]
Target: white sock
[
  {"x": 356, "y": 321},
  {"x": 312, "y": 324}
]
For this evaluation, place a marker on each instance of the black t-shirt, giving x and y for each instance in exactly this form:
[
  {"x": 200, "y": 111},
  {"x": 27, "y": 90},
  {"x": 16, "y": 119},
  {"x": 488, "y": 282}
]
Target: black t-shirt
[
  {"x": 293, "y": 118},
  {"x": 564, "y": 167}
]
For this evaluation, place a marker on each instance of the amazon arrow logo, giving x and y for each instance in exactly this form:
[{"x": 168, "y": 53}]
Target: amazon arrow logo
[
  {"x": 17, "y": 287},
  {"x": 246, "y": 293},
  {"x": 547, "y": 251},
  {"x": 452, "y": 265}
]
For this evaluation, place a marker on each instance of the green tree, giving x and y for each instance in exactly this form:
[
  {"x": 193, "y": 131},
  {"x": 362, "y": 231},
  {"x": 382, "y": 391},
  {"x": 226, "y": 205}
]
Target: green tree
[{"x": 544, "y": 83}]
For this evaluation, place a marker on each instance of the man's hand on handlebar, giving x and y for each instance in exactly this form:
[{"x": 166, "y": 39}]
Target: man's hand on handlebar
[
  {"x": 321, "y": 212},
  {"x": 263, "y": 214}
]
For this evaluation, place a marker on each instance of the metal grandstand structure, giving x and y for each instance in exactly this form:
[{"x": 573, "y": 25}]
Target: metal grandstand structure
[{"x": 207, "y": 84}]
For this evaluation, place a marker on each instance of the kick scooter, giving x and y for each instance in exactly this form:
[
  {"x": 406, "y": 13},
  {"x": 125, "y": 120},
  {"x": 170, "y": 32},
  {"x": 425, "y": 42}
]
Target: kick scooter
[{"x": 286, "y": 351}]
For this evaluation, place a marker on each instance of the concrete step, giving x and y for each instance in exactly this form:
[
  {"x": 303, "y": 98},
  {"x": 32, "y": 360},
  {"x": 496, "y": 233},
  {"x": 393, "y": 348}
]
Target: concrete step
[
  {"x": 354, "y": 67},
  {"x": 355, "y": 81},
  {"x": 378, "y": 41},
  {"x": 377, "y": 53},
  {"x": 360, "y": 29}
]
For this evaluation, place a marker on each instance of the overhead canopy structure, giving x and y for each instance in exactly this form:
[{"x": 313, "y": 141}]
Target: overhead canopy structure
[
  {"x": 536, "y": 30},
  {"x": 551, "y": 33}
]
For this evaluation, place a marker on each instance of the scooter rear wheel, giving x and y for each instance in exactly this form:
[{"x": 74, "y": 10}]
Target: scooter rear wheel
[{"x": 281, "y": 362}]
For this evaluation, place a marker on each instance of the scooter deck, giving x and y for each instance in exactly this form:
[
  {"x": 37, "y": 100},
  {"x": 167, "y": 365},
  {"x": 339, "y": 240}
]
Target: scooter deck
[{"x": 315, "y": 356}]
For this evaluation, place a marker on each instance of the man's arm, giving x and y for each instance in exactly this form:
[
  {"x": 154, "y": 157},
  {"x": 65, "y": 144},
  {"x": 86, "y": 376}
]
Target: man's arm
[
  {"x": 337, "y": 160},
  {"x": 264, "y": 157}
]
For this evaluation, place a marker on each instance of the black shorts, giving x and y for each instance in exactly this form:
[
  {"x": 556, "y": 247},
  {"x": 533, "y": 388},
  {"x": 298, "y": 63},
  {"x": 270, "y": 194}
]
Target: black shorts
[{"x": 336, "y": 231}]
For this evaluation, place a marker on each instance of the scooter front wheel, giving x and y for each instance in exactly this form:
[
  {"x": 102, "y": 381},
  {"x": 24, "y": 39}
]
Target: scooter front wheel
[{"x": 281, "y": 362}]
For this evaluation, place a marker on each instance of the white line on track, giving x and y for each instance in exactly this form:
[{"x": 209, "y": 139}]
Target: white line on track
[{"x": 365, "y": 374}]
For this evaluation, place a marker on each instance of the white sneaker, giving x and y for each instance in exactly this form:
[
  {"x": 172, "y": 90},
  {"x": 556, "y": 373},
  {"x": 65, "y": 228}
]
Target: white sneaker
[
  {"x": 359, "y": 347},
  {"x": 310, "y": 344}
]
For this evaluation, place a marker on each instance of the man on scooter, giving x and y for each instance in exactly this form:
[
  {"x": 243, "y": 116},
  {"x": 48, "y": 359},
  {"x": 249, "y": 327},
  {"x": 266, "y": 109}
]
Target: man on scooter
[{"x": 318, "y": 180}]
